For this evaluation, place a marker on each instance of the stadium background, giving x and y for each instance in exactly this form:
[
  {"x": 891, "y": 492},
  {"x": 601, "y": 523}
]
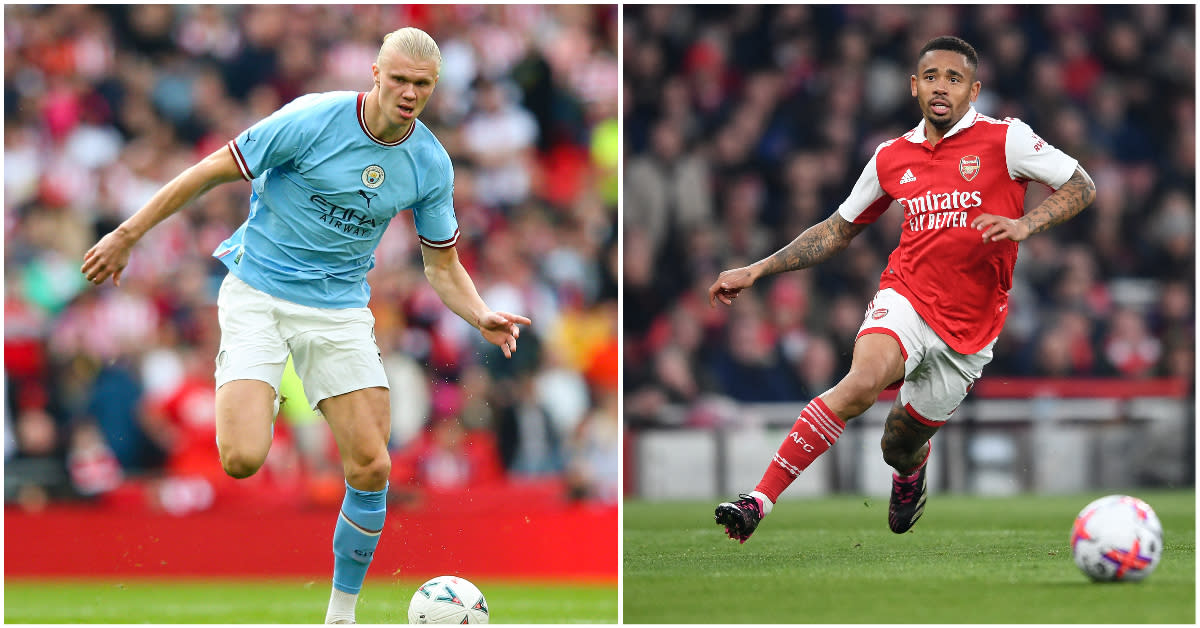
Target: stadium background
[
  {"x": 744, "y": 125},
  {"x": 108, "y": 407}
]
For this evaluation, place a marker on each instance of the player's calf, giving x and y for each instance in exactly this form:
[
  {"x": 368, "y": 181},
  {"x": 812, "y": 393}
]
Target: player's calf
[
  {"x": 355, "y": 537},
  {"x": 906, "y": 448},
  {"x": 904, "y": 461},
  {"x": 815, "y": 431}
]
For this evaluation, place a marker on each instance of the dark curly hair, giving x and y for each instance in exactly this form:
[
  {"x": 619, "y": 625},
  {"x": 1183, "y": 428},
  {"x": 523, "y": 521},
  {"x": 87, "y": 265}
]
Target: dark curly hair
[{"x": 953, "y": 44}]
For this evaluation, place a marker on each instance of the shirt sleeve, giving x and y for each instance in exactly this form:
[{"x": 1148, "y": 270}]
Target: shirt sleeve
[
  {"x": 434, "y": 217},
  {"x": 1033, "y": 158},
  {"x": 867, "y": 200},
  {"x": 273, "y": 141}
]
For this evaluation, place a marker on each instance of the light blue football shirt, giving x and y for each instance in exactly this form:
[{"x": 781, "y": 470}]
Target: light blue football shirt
[{"x": 323, "y": 190}]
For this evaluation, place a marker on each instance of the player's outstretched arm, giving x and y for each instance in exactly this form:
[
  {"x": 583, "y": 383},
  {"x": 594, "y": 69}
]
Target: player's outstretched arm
[
  {"x": 1077, "y": 193},
  {"x": 817, "y": 244},
  {"x": 110, "y": 255},
  {"x": 454, "y": 286}
]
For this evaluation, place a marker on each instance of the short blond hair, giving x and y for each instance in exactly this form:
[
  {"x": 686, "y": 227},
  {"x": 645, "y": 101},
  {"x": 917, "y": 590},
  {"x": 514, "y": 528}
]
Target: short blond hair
[{"x": 413, "y": 43}]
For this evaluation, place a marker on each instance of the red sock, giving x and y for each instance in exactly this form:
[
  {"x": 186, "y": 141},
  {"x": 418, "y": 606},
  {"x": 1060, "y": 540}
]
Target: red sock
[{"x": 814, "y": 433}]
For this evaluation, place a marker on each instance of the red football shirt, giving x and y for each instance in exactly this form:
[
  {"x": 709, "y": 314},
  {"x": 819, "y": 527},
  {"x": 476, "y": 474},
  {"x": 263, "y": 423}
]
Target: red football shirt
[{"x": 957, "y": 282}]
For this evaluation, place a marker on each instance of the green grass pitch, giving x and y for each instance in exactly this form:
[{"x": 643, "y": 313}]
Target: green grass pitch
[
  {"x": 969, "y": 560},
  {"x": 283, "y": 602}
]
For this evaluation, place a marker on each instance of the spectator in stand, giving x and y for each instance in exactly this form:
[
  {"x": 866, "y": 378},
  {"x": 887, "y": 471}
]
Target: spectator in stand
[
  {"x": 816, "y": 369},
  {"x": 749, "y": 367},
  {"x": 499, "y": 138},
  {"x": 93, "y": 467},
  {"x": 179, "y": 421},
  {"x": 592, "y": 458},
  {"x": 1173, "y": 317},
  {"x": 454, "y": 459},
  {"x": 1066, "y": 347},
  {"x": 669, "y": 186},
  {"x": 530, "y": 444},
  {"x": 34, "y": 471},
  {"x": 1129, "y": 348},
  {"x": 447, "y": 456},
  {"x": 115, "y": 406}
]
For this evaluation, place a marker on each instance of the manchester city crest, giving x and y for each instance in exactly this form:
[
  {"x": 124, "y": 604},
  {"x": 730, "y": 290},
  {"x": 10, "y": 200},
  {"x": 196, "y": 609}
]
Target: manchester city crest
[
  {"x": 372, "y": 177},
  {"x": 968, "y": 167}
]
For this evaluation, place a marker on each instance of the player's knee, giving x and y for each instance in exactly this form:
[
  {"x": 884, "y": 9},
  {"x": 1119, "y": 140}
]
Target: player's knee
[
  {"x": 858, "y": 392},
  {"x": 240, "y": 463},
  {"x": 369, "y": 472}
]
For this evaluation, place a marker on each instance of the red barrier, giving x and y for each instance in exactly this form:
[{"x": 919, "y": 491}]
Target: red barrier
[
  {"x": 1002, "y": 387},
  {"x": 1005, "y": 387},
  {"x": 570, "y": 542}
]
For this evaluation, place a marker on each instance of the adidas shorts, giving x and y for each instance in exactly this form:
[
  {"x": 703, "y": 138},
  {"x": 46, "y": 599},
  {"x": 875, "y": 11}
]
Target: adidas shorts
[
  {"x": 334, "y": 350},
  {"x": 936, "y": 377}
]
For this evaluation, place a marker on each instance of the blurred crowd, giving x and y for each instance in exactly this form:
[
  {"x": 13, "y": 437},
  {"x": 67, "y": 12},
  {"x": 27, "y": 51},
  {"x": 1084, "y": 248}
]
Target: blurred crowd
[
  {"x": 109, "y": 391},
  {"x": 746, "y": 124}
]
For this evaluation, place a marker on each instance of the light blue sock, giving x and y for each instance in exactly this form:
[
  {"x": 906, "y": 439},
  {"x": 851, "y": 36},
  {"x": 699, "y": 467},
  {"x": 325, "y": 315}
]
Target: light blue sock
[{"x": 356, "y": 535}]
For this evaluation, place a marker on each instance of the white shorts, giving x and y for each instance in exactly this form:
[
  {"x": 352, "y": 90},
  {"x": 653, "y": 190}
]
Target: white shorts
[
  {"x": 334, "y": 350},
  {"x": 936, "y": 377}
]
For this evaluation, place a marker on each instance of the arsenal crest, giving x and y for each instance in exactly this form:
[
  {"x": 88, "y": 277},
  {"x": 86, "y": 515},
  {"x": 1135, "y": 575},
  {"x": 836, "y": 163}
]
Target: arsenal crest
[{"x": 968, "y": 166}]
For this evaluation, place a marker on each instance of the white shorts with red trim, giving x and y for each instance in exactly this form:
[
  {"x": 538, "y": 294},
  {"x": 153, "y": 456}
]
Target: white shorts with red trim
[
  {"x": 334, "y": 350},
  {"x": 936, "y": 377}
]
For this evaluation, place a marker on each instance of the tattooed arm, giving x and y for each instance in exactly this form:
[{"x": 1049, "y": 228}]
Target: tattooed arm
[
  {"x": 817, "y": 244},
  {"x": 1078, "y": 192}
]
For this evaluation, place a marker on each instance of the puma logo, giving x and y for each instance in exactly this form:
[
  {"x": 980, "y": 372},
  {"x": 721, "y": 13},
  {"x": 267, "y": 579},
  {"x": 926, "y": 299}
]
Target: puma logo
[{"x": 368, "y": 196}]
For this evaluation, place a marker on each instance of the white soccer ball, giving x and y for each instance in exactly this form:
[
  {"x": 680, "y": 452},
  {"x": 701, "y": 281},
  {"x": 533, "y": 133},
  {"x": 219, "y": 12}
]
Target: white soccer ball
[
  {"x": 1117, "y": 538},
  {"x": 448, "y": 600}
]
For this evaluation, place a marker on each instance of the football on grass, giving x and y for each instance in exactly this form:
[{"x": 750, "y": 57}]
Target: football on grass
[
  {"x": 448, "y": 600},
  {"x": 1117, "y": 539}
]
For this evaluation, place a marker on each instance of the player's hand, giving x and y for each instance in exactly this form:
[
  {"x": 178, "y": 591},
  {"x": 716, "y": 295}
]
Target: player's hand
[
  {"x": 500, "y": 329},
  {"x": 996, "y": 228},
  {"x": 729, "y": 284},
  {"x": 107, "y": 258}
]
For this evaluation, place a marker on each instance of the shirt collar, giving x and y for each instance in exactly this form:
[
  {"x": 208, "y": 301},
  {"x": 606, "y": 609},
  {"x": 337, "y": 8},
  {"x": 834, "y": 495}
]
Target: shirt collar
[
  {"x": 362, "y": 123},
  {"x": 917, "y": 135}
]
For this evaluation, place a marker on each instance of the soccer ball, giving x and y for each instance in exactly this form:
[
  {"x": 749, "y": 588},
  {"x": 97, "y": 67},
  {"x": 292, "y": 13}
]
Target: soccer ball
[
  {"x": 448, "y": 600},
  {"x": 1117, "y": 538}
]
